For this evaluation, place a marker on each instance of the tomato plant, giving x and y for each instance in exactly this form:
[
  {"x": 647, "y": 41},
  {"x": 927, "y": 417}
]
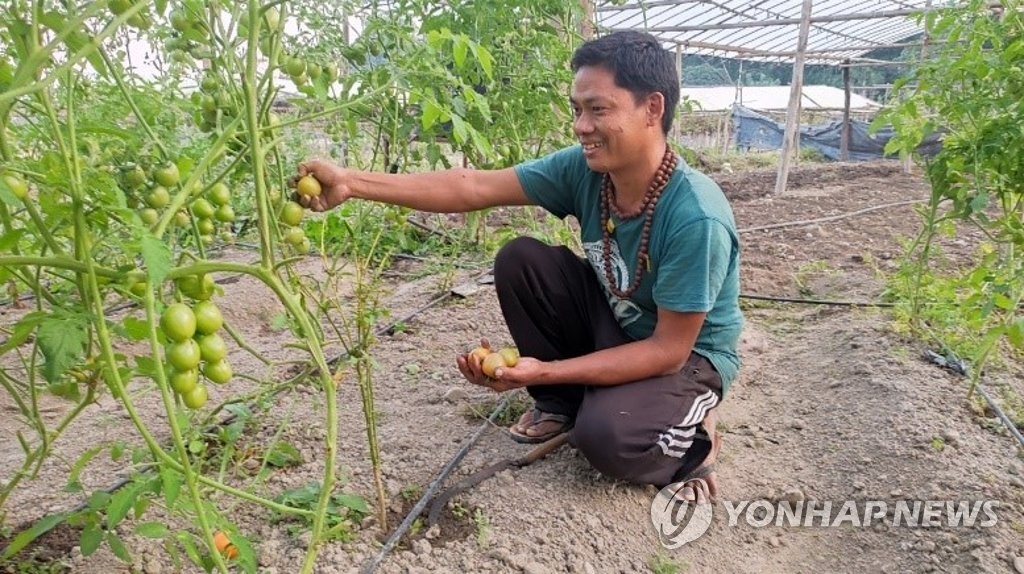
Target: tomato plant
[
  {"x": 115, "y": 186},
  {"x": 971, "y": 91}
]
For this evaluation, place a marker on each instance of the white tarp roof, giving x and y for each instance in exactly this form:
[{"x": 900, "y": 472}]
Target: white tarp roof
[
  {"x": 768, "y": 29},
  {"x": 765, "y": 98}
]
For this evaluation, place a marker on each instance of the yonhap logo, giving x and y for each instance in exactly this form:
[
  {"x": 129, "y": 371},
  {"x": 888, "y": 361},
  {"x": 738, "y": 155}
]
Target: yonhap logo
[{"x": 678, "y": 521}]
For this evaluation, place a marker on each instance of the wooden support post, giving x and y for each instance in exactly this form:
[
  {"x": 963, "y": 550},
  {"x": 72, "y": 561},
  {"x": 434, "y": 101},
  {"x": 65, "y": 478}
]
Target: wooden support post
[
  {"x": 795, "y": 95},
  {"x": 588, "y": 24},
  {"x": 678, "y": 128},
  {"x": 844, "y": 142}
]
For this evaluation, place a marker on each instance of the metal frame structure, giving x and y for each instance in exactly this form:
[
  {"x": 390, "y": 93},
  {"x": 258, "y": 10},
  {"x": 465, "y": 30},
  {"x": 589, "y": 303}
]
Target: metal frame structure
[
  {"x": 835, "y": 32},
  {"x": 769, "y": 30}
]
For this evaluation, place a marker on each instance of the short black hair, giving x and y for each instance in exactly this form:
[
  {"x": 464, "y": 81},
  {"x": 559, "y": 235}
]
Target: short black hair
[{"x": 639, "y": 64}]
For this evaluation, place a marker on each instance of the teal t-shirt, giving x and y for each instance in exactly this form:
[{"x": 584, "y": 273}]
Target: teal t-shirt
[{"x": 693, "y": 250}]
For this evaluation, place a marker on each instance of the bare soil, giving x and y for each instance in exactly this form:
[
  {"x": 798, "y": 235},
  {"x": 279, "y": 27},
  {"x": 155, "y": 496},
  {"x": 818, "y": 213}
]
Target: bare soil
[{"x": 831, "y": 405}]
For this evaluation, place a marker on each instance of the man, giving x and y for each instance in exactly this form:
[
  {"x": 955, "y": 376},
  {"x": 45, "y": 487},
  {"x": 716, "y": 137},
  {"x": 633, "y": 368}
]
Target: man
[{"x": 633, "y": 347}]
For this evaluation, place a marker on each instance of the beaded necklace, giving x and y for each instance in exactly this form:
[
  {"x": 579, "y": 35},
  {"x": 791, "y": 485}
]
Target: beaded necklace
[{"x": 646, "y": 208}]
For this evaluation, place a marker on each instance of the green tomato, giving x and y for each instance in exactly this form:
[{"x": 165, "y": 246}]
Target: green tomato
[
  {"x": 210, "y": 84},
  {"x": 208, "y": 317},
  {"x": 180, "y": 20},
  {"x": 195, "y": 398},
  {"x": 17, "y": 186},
  {"x": 206, "y": 226},
  {"x": 202, "y": 208},
  {"x": 184, "y": 355},
  {"x": 178, "y": 322},
  {"x": 212, "y": 348},
  {"x": 208, "y": 103},
  {"x": 272, "y": 18},
  {"x": 218, "y": 371},
  {"x": 167, "y": 175},
  {"x": 120, "y": 6},
  {"x": 291, "y": 213},
  {"x": 135, "y": 177},
  {"x": 184, "y": 381},
  {"x": 294, "y": 236},
  {"x": 313, "y": 71},
  {"x": 220, "y": 194},
  {"x": 138, "y": 288},
  {"x": 149, "y": 216},
  {"x": 181, "y": 219},
  {"x": 225, "y": 214},
  {"x": 295, "y": 66},
  {"x": 207, "y": 239},
  {"x": 158, "y": 198}
]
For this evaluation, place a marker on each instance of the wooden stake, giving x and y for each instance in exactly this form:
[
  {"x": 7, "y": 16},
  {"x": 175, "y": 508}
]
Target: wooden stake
[
  {"x": 844, "y": 142},
  {"x": 795, "y": 95}
]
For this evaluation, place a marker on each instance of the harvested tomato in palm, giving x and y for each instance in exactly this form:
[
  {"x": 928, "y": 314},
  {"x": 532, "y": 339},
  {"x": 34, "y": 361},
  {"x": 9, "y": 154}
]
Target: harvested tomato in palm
[{"x": 308, "y": 185}]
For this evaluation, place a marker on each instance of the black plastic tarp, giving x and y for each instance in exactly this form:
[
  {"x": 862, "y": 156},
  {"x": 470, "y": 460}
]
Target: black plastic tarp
[{"x": 757, "y": 131}]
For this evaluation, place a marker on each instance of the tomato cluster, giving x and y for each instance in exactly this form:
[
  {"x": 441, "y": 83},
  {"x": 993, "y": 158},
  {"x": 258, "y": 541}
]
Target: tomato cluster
[
  {"x": 291, "y": 215},
  {"x": 193, "y": 345}
]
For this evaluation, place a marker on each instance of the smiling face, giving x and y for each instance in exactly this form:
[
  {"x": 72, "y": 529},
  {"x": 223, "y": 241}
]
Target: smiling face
[{"x": 616, "y": 131}]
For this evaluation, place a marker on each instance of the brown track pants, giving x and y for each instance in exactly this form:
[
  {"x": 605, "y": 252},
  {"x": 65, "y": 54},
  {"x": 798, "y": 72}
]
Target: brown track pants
[{"x": 648, "y": 431}]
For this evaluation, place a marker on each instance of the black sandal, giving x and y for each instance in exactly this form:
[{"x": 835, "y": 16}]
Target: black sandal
[{"x": 540, "y": 416}]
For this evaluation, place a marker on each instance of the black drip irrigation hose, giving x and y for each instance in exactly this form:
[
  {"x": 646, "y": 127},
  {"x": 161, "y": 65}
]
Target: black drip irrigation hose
[
  {"x": 959, "y": 366},
  {"x": 814, "y": 301},
  {"x": 372, "y": 565}
]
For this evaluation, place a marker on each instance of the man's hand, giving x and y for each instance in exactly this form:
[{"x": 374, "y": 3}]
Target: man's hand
[
  {"x": 527, "y": 370},
  {"x": 334, "y": 189}
]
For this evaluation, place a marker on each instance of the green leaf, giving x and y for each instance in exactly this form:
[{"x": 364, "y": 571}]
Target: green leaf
[
  {"x": 90, "y": 540},
  {"x": 189, "y": 545},
  {"x": 122, "y": 502},
  {"x": 431, "y": 113},
  {"x": 459, "y": 51},
  {"x": 157, "y": 256},
  {"x": 1015, "y": 334},
  {"x": 171, "y": 485},
  {"x": 145, "y": 366},
  {"x": 118, "y": 547},
  {"x": 282, "y": 454},
  {"x": 22, "y": 330},
  {"x": 117, "y": 451},
  {"x": 1002, "y": 301},
  {"x": 459, "y": 129},
  {"x": 98, "y": 500},
  {"x": 9, "y": 240},
  {"x": 353, "y": 502},
  {"x": 62, "y": 339},
  {"x": 26, "y": 537},
  {"x": 136, "y": 329},
  {"x": 7, "y": 196},
  {"x": 486, "y": 60},
  {"x": 73, "y": 484},
  {"x": 152, "y": 530}
]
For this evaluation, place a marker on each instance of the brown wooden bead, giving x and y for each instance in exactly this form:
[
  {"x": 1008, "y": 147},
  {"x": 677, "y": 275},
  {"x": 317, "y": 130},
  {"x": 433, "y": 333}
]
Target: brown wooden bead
[{"x": 650, "y": 200}]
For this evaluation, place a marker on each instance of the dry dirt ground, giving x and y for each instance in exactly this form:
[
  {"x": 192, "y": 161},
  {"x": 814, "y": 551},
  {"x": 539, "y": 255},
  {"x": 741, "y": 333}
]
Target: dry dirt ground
[{"x": 831, "y": 405}]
